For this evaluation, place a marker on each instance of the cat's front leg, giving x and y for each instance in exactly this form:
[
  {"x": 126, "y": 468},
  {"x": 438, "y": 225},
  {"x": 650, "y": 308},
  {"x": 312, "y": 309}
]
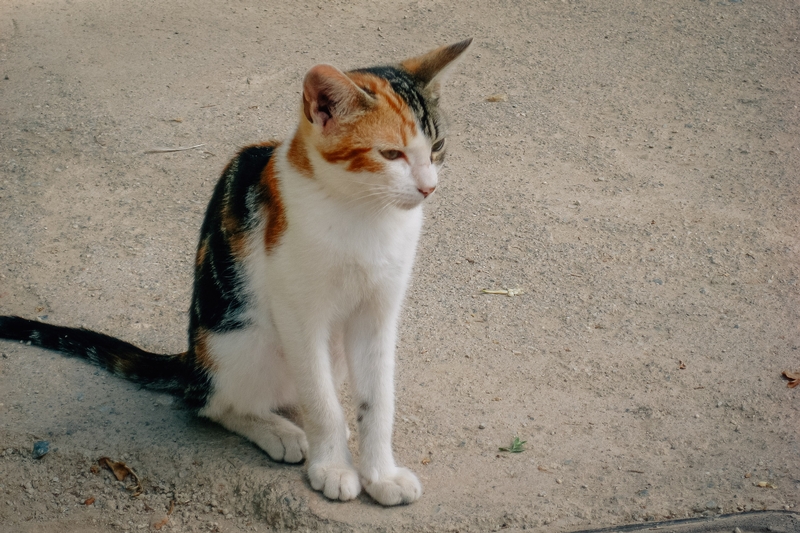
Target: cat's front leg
[
  {"x": 369, "y": 343},
  {"x": 330, "y": 464}
]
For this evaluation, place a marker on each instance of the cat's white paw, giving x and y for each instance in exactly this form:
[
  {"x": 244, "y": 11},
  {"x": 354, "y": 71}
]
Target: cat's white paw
[
  {"x": 399, "y": 488},
  {"x": 286, "y": 443},
  {"x": 276, "y": 435},
  {"x": 337, "y": 481}
]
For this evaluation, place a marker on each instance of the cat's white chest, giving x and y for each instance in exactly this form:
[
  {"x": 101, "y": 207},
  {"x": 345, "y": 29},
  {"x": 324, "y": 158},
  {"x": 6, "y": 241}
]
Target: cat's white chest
[
  {"x": 334, "y": 256},
  {"x": 363, "y": 252}
]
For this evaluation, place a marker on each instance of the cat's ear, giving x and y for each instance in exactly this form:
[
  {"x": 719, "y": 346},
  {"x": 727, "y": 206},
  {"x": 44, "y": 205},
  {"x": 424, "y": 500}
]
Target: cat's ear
[
  {"x": 430, "y": 69},
  {"x": 330, "y": 97}
]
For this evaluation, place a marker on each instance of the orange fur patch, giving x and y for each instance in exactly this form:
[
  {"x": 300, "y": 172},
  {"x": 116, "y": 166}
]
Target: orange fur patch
[
  {"x": 358, "y": 159},
  {"x": 123, "y": 363},
  {"x": 231, "y": 227},
  {"x": 298, "y": 157},
  {"x": 273, "y": 204},
  {"x": 202, "y": 250},
  {"x": 202, "y": 355},
  {"x": 389, "y": 122}
]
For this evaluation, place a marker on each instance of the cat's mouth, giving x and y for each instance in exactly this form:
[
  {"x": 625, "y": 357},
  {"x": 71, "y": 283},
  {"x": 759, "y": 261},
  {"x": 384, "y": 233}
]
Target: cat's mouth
[{"x": 410, "y": 201}]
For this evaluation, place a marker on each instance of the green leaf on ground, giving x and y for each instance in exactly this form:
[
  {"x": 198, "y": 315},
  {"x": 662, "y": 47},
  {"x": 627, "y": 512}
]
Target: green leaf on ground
[{"x": 517, "y": 446}]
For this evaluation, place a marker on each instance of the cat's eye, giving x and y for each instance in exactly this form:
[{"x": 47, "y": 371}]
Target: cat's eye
[
  {"x": 391, "y": 155},
  {"x": 437, "y": 146}
]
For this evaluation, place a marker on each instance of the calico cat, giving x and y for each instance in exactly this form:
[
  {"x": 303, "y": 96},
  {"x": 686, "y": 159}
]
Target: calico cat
[{"x": 304, "y": 257}]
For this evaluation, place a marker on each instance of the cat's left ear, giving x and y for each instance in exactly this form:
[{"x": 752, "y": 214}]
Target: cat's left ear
[
  {"x": 330, "y": 97},
  {"x": 430, "y": 69}
]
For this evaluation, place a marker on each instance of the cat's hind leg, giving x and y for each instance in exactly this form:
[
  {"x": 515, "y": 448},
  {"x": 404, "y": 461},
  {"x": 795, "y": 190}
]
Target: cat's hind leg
[
  {"x": 250, "y": 382},
  {"x": 276, "y": 435}
]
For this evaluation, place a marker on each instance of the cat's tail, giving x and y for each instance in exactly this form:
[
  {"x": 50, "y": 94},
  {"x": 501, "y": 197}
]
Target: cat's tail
[{"x": 151, "y": 370}]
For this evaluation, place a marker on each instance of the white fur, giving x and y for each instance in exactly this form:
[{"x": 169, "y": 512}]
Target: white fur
[{"x": 325, "y": 305}]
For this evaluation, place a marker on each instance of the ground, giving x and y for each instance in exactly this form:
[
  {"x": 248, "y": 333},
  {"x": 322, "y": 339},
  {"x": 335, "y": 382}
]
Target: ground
[{"x": 631, "y": 167}]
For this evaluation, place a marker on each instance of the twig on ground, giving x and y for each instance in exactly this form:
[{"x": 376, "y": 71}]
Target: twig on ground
[{"x": 167, "y": 150}]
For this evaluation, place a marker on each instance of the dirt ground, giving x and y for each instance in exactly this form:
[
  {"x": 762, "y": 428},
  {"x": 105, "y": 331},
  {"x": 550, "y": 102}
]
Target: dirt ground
[{"x": 638, "y": 181}]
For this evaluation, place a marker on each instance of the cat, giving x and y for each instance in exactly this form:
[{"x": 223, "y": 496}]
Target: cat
[{"x": 305, "y": 253}]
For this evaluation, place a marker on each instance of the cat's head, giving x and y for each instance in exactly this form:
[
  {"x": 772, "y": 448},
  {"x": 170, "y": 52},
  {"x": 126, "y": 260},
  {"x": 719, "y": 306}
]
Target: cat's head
[{"x": 376, "y": 134}]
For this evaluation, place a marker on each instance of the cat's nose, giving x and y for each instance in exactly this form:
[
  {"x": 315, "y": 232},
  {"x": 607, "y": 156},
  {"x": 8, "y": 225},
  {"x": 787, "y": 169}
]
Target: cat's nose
[{"x": 426, "y": 191}]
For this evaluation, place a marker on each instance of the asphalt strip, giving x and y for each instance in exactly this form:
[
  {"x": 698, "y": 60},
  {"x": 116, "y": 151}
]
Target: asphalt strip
[{"x": 756, "y": 521}]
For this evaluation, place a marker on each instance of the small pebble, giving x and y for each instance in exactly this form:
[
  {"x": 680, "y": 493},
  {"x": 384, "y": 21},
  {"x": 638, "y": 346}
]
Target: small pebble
[
  {"x": 40, "y": 449},
  {"x": 481, "y": 426}
]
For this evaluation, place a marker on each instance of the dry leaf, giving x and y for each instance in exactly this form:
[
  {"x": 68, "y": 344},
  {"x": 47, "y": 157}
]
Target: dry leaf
[
  {"x": 766, "y": 485},
  {"x": 94, "y": 469},
  {"x": 426, "y": 460},
  {"x": 681, "y": 365},
  {"x": 542, "y": 469},
  {"x": 793, "y": 377},
  {"x": 497, "y": 98},
  {"x": 89, "y": 501},
  {"x": 121, "y": 471}
]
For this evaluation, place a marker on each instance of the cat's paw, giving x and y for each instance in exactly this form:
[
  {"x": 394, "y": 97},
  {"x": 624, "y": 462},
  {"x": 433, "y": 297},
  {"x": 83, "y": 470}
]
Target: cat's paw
[
  {"x": 337, "y": 481},
  {"x": 284, "y": 442},
  {"x": 398, "y": 488},
  {"x": 276, "y": 435}
]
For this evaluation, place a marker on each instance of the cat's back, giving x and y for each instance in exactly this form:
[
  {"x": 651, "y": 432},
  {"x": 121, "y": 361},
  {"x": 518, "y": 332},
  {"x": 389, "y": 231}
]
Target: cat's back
[
  {"x": 241, "y": 191},
  {"x": 245, "y": 203}
]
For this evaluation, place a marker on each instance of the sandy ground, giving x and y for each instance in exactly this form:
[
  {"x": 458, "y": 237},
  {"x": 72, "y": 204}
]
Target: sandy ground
[{"x": 639, "y": 184}]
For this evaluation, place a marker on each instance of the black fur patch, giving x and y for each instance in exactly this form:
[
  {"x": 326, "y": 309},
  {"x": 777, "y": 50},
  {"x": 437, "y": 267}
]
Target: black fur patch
[
  {"x": 155, "y": 371},
  {"x": 217, "y": 299}
]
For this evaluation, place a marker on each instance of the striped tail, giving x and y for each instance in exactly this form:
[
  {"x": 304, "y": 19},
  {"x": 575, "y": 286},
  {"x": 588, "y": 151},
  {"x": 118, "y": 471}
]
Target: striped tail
[{"x": 151, "y": 370}]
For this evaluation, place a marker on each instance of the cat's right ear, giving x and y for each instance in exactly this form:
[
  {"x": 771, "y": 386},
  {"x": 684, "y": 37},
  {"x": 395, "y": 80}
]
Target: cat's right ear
[
  {"x": 431, "y": 69},
  {"x": 330, "y": 97}
]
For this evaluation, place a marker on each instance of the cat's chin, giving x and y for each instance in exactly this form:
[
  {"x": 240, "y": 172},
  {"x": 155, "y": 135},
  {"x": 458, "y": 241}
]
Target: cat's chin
[
  {"x": 407, "y": 205},
  {"x": 406, "y": 202}
]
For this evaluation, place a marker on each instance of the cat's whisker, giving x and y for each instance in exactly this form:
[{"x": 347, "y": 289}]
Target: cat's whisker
[
  {"x": 391, "y": 202},
  {"x": 377, "y": 209},
  {"x": 368, "y": 195},
  {"x": 368, "y": 183},
  {"x": 368, "y": 200}
]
